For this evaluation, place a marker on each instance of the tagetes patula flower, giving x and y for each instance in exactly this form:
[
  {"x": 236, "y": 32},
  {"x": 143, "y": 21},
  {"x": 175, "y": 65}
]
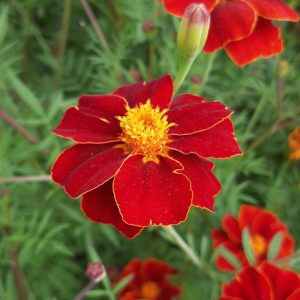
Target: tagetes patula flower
[
  {"x": 150, "y": 280},
  {"x": 262, "y": 224},
  {"x": 242, "y": 27},
  {"x": 140, "y": 160},
  {"x": 294, "y": 144},
  {"x": 265, "y": 282}
]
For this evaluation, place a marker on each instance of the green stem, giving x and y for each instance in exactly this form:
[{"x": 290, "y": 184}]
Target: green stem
[
  {"x": 207, "y": 71},
  {"x": 95, "y": 257},
  {"x": 63, "y": 40},
  {"x": 187, "y": 249},
  {"x": 184, "y": 67}
]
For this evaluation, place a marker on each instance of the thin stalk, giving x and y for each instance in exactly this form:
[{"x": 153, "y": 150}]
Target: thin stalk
[
  {"x": 13, "y": 123},
  {"x": 207, "y": 70},
  {"x": 18, "y": 274},
  {"x": 63, "y": 40},
  {"x": 22, "y": 179},
  {"x": 85, "y": 290},
  {"x": 96, "y": 26},
  {"x": 187, "y": 249},
  {"x": 259, "y": 110},
  {"x": 95, "y": 257},
  {"x": 280, "y": 84}
]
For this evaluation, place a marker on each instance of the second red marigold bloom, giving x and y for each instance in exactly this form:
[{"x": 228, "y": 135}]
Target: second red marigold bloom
[
  {"x": 262, "y": 224},
  {"x": 149, "y": 280},
  {"x": 140, "y": 160},
  {"x": 242, "y": 27},
  {"x": 265, "y": 282}
]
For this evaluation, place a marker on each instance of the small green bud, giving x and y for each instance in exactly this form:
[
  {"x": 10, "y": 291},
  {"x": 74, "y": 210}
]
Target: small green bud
[{"x": 193, "y": 30}]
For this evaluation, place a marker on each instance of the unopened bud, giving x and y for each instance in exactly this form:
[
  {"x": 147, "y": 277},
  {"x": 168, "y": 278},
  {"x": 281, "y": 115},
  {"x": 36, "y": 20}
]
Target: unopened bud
[
  {"x": 95, "y": 271},
  {"x": 193, "y": 30}
]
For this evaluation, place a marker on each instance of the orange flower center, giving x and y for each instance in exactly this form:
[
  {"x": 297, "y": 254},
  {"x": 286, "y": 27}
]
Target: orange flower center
[
  {"x": 145, "y": 131},
  {"x": 150, "y": 290},
  {"x": 258, "y": 244}
]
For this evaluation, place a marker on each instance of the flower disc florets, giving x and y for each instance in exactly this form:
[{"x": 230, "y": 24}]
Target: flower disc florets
[{"x": 145, "y": 131}]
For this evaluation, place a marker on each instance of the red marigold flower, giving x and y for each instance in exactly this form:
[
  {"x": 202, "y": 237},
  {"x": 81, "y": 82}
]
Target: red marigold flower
[
  {"x": 141, "y": 161},
  {"x": 266, "y": 282},
  {"x": 149, "y": 281},
  {"x": 262, "y": 224},
  {"x": 242, "y": 27},
  {"x": 294, "y": 144}
]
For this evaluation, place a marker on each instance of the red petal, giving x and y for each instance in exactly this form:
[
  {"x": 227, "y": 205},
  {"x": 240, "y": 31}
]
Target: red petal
[
  {"x": 216, "y": 142},
  {"x": 265, "y": 41},
  {"x": 295, "y": 295},
  {"x": 83, "y": 167},
  {"x": 231, "y": 227},
  {"x": 249, "y": 285},
  {"x": 131, "y": 291},
  {"x": 283, "y": 282},
  {"x": 155, "y": 269},
  {"x": 273, "y": 10},
  {"x": 247, "y": 214},
  {"x": 192, "y": 114},
  {"x": 266, "y": 224},
  {"x": 178, "y": 7},
  {"x": 205, "y": 185},
  {"x": 220, "y": 238},
  {"x": 230, "y": 21},
  {"x": 99, "y": 206},
  {"x": 83, "y": 128},
  {"x": 105, "y": 107},
  {"x": 153, "y": 194},
  {"x": 159, "y": 91},
  {"x": 287, "y": 247}
]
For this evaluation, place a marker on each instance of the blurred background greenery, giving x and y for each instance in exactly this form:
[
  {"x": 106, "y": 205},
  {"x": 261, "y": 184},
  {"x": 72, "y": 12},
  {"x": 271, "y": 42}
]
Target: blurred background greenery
[{"x": 50, "y": 55}]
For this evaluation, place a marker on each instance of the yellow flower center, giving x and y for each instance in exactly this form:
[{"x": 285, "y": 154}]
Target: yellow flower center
[
  {"x": 258, "y": 244},
  {"x": 145, "y": 131},
  {"x": 150, "y": 290}
]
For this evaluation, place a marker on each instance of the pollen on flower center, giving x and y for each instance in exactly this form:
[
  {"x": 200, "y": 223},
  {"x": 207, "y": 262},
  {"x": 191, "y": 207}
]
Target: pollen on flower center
[
  {"x": 150, "y": 290},
  {"x": 258, "y": 244},
  {"x": 145, "y": 131}
]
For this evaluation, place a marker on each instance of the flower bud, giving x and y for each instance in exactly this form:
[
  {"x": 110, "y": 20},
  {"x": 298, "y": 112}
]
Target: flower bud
[
  {"x": 95, "y": 271},
  {"x": 193, "y": 30}
]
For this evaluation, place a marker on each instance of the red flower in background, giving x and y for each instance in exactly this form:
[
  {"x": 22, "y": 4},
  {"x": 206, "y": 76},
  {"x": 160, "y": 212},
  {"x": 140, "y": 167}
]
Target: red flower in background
[
  {"x": 266, "y": 282},
  {"x": 263, "y": 226},
  {"x": 242, "y": 27},
  {"x": 141, "y": 161},
  {"x": 150, "y": 280},
  {"x": 294, "y": 144}
]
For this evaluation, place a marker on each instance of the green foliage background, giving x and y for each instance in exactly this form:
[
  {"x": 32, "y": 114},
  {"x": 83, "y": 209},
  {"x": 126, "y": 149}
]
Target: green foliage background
[{"x": 40, "y": 78}]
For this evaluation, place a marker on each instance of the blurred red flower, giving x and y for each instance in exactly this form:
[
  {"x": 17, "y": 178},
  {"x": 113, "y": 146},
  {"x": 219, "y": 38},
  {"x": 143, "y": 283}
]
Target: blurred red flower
[
  {"x": 263, "y": 226},
  {"x": 141, "y": 161},
  {"x": 294, "y": 144},
  {"x": 266, "y": 282},
  {"x": 242, "y": 27},
  {"x": 150, "y": 280}
]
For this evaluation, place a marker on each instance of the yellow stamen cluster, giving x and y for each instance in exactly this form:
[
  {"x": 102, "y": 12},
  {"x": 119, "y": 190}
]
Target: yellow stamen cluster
[
  {"x": 150, "y": 290},
  {"x": 145, "y": 131},
  {"x": 258, "y": 244}
]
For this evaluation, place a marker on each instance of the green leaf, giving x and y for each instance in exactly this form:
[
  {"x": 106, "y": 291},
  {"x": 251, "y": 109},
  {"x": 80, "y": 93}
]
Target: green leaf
[
  {"x": 274, "y": 246},
  {"x": 3, "y": 23},
  {"x": 247, "y": 247},
  {"x": 229, "y": 256},
  {"x": 25, "y": 94},
  {"x": 97, "y": 293},
  {"x": 122, "y": 284}
]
